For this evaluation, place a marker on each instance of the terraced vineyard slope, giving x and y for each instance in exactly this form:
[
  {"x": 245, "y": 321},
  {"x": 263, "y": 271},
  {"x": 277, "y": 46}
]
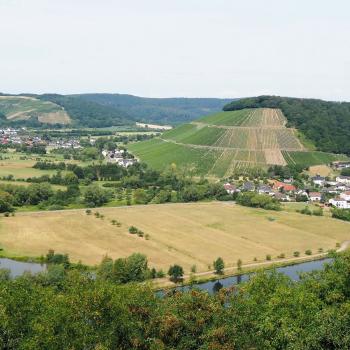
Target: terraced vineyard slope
[
  {"x": 219, "y": 144},
  {"x": 16, "y": 108}
]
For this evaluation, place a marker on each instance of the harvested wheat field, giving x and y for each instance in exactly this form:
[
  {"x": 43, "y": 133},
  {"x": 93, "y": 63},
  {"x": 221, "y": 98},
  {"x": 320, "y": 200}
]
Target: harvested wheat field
[{"x": 186, "y": 234}]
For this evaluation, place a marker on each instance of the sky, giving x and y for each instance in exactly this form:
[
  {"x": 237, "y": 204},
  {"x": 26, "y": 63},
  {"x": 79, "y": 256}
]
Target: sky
[{"x": 173, "y": 48}]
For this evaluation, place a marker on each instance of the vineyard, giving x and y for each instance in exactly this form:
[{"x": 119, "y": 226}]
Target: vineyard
[
  {"x": 24, "y": 108},
  {"x": 311, "y": 158},
  {"x": 220, "y": 144}
]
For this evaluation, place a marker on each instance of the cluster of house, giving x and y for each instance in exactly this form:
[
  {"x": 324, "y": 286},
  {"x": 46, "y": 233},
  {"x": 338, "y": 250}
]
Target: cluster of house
[
  {"x": 283, "y": 191},
  {"x": 118, "y": 156},
  {"x": 10, "y": 136},
  {"x": 338, "y": 189},
  {"x": 61, "y": 143},
  {"x": 339, "y": 165}
]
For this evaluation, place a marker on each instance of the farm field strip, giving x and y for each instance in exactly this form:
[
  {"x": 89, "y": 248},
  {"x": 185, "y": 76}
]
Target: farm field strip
[
  {"x": 228, "y": 119},
  {"x": 186, "y": 234},
  {"x": 311, "y": 158}
]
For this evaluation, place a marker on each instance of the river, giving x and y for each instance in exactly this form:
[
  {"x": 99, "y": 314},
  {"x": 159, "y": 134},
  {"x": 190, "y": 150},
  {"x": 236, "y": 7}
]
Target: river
[
  {"x": 17, "y": 268},
  {"x": 292, "y": 271}
]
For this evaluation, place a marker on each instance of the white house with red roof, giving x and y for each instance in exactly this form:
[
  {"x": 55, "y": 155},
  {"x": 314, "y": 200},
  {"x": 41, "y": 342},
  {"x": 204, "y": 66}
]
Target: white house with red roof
[
  {"x": 230, "y": 189},
  {"x": 315, "y": 196},
  {"x": 277, "y": 185}
]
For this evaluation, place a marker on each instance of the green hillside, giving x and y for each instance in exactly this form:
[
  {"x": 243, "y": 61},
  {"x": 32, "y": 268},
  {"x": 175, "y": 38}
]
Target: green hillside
[
  {"x": 24, "y": 109},
  {"x": 222, "y": 143}
]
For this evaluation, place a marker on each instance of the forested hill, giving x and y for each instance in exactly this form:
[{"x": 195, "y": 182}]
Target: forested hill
[
  {"x": 158, "y": 110},
  {"x": 90, "y": 114},
  {"x": 325, "y": 123},
  {"x": 102, "y": 110}
]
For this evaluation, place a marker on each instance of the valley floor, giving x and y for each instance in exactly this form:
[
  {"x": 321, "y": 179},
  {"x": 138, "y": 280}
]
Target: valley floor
[{"x": 187, "y": 234}]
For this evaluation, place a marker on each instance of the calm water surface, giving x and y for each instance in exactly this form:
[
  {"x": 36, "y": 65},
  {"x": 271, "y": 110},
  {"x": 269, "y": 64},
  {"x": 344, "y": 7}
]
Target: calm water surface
[
  {"x": 17, "y": 268},
  {"x": 292, "y": 271}
]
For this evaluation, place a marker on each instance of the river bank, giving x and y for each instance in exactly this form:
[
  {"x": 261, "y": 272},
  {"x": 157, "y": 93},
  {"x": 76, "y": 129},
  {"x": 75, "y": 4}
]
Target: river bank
[
  {"x": 213, "y": 286},
  {"x": 210, "y": 276}
]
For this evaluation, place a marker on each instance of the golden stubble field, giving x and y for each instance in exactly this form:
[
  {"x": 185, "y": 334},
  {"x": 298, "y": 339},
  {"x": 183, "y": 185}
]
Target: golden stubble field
[{"x": 186, "y": 234}]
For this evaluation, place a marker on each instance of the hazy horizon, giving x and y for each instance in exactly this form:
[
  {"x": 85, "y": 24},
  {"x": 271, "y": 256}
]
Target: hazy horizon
[{"x": 192, "y": 48}]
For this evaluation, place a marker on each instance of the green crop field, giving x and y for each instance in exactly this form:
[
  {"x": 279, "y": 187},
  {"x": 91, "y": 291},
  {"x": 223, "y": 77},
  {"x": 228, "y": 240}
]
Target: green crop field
[
  {"x": 312, "y": 158},
  {"x": 22, "y": 108},
  {"x": 160, "y": 154},
  {"x": 220, "y": 144},
  {"x": 234, "y": 118}
]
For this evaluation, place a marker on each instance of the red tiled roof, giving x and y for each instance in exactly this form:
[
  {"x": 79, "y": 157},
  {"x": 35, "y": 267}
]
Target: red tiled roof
[
  {"x": 286, "y": 187},
  {"x": 314, "y": 194},
  {"x": 229, "y": 187}
]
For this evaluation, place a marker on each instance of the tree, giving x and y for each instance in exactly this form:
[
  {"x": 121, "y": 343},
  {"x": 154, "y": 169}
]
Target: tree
[
  {"x": 239, "y": 264},
  {"x": 133, "y": 230},
  {"x": 6, "y": 201},
  {"x": 70, "y": 179},
  {"x": 219, "y": 266},
  {"x": 140, "y": 196},
  {"x": 132, "y": 268},
  {"x": 176, "y": 273},
  {"x": 95, "y": 196}
]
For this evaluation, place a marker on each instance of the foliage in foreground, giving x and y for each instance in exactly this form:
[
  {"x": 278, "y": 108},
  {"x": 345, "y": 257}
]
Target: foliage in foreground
[{"x": 69, "y": 310}]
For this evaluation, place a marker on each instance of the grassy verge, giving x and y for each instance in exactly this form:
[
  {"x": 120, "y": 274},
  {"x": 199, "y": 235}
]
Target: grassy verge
[{"x": 167, "y": 285}]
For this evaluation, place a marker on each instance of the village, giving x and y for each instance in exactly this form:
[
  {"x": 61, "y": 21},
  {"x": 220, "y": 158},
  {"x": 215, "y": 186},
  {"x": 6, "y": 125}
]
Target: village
[
  {"x": 325, "y": 191},
  {"x": 119, "y": 157},
  {"x": 22, "y": 137}
]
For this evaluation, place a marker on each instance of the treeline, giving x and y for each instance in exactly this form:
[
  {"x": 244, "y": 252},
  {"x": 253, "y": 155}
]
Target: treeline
[
  {"x": 36, "y": 149},
  {"x": 342, "y": 214},
  {"x": 325, "y": 123},
  {"x": 136, "y": 184},
  {"x": 41, "y": 194},
  {"x": 76, "y": 133},
  {"x": 255, "y": 200},
  {"x": 66, "y": 309},
  {"x": 94, "y": 172}
]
